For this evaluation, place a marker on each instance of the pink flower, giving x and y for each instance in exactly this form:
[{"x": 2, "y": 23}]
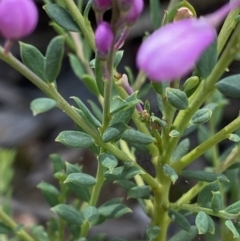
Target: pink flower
[
  {"x": 172, "y": 51},
  {"x": 134, "y": 12},
  {"x": 104, "y": 39},
  {"x": 102, "y": 5},
  {"x": 18, "y": 18}
]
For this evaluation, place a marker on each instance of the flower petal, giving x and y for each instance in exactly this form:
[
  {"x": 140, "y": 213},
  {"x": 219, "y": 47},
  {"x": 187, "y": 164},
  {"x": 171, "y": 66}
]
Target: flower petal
[{"x": 172, "y": 51}]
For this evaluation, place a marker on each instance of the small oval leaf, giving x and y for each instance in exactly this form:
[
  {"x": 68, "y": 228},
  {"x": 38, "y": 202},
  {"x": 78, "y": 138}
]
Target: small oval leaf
[
  {"x": 41, "y": 105},
  {"x": 108, "y": 160},
  {"x": 230, "y": 86},
  {"x": 54, "y": 57},
  {"x": 69, "y": 214},
  {"x": 61, "y": 16},
  {"x": 201, "y": 116},
  {"x": 179, "y": 220},
  {"x": 177, "y": 98},
  {"x": 75, "y": 139},
  {"x": 170, "y": 172},
  {"x": 202, "y": 223},
  {"x": 81, "y": 179}
]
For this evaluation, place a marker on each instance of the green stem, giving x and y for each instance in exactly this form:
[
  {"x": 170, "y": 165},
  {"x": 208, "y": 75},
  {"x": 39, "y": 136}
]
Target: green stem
[
  {"x": 11, "y": 224},
  {"x": 82, "y": 22},
  {"x": 205, "y": 88},
  {"x": 202, "y": 148},
  {"x": 94, "y": 197},
  {"x": 195, "y": 209},
  {"x": 50, "y": 91},
  {"x": 226, "y": 30}
]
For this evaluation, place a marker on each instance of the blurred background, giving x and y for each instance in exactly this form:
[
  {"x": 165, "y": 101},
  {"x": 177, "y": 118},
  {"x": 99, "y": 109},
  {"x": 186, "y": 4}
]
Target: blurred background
[{"x": 32, "y": 138}]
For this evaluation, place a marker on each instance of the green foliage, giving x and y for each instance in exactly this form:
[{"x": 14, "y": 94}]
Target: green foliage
[
  {"x": 177, "y": 98},
  {"x": 75, "y": 139},
  {"x": 170, "y": 172},
  {"x": 109, "y": 161},
  {"x": 114, "y": 132},
  {"x": 61, "y": 16},
  {"x": 41, "y": 105},
  {"x": 180, "y": 220}
]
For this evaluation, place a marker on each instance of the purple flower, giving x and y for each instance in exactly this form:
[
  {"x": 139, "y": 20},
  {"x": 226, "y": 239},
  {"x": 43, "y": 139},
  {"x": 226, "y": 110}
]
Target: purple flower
[
  {"x": 172, "y": 51},
  {"x": 134, "y": 12},
  {"x": 102, "y": 5},
  {"x": 18, "y": 18},
  {"x": 104, "y": 39}
]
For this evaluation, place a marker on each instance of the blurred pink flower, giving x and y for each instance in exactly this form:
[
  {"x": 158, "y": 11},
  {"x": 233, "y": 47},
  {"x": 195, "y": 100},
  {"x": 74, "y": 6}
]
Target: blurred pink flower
[
  {"x": 134, "y": 12},
  {"x": 172, "y": 51},
  {"x": 18, "y": 18}
]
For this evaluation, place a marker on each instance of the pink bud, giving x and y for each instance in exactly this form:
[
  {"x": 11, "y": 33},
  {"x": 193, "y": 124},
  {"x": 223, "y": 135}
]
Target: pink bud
[
  {"x": 102, "y": 5},
  {"x": 172, "y": 51},
  {"x": 104, "y": 39},
  {"x": 134, "y": 12},
  {"x": 18, "y": 18}
]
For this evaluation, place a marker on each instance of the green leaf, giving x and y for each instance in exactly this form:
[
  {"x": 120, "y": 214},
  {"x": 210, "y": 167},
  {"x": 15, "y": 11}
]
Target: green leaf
[
  {"x": 39, "y": 234},
  {"x": 41, "y": 105},
  {"x": 124, "y": 114},
  {"x": 230, "y": 86},
  {"x": 205, "y": 196},
  {"x": 61, "y": 16},
  {"x": 58, "y": 164},
  {"x": 179, "y": 220},
  {"x": 75, "y": 139},
  {"x": 82, "y": 192},
  {"x": 4, "y": 229},
  {"x": 108, "y": 160},
  {"x": 33, "y": 59},
  {"x": 170, "y": 172},
  {"x": 202, "y": 223},
  {"x": 190, "y": 83},
  {"x": 177, "y": 98},
  {"x": 174, "y": 133},
  {"x": 133, "y": 136},
  {"x": 113, "y": 210},
  {"x": 232, "y": 228},
  {"x": 181, "y": 150},
  {"x": 90, "y": 117},
  {"x": 211, "y": 225},
  {"x": 69, "y": 214},
  {"x": 158, "y": 87},
  {"x": 216, "y": 203},
  {"x": 87, "y": 8},
  {"x": 90, "y": 83},
  {"x": 201, "y": 116},
  {"x": 234, "y": 137},
  {"x": 76, "y": 66},
  {"x": 54, "y": 57},
  {"x": 81, "y": 179},
  {"x": 114, "y": 132},
  {"x": 153, "y": 232},
  {"x": 118, "y": 58},
  {"x": 204, "y": 176},
  {"x": 139, "y": 192},
  {"x": 155, "y": 16},
  {"x": 50, "y": 193},
  {"x": 72, "y": 168},
  {"x": 185, "y": 236},
  {"x": 126, "y": 184},
  {"x": 121, "y": 173},
  {"x": 91, "y": 214},
  {"x": 233, "y": 208},
  {"x": 126, "y": 105},
  {"x": 208, "y": 60}
]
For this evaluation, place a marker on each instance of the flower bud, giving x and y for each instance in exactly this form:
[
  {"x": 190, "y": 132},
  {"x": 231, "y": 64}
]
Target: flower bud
[
  {"x": 134, "y": 12},
  {"x": 183, "y": 13},
  {"x": 102, "y": 5},
  {"x": 18, "y": 18},
  {"x": 172, "y": 51},
  {"x": 104, "y": 39}
]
